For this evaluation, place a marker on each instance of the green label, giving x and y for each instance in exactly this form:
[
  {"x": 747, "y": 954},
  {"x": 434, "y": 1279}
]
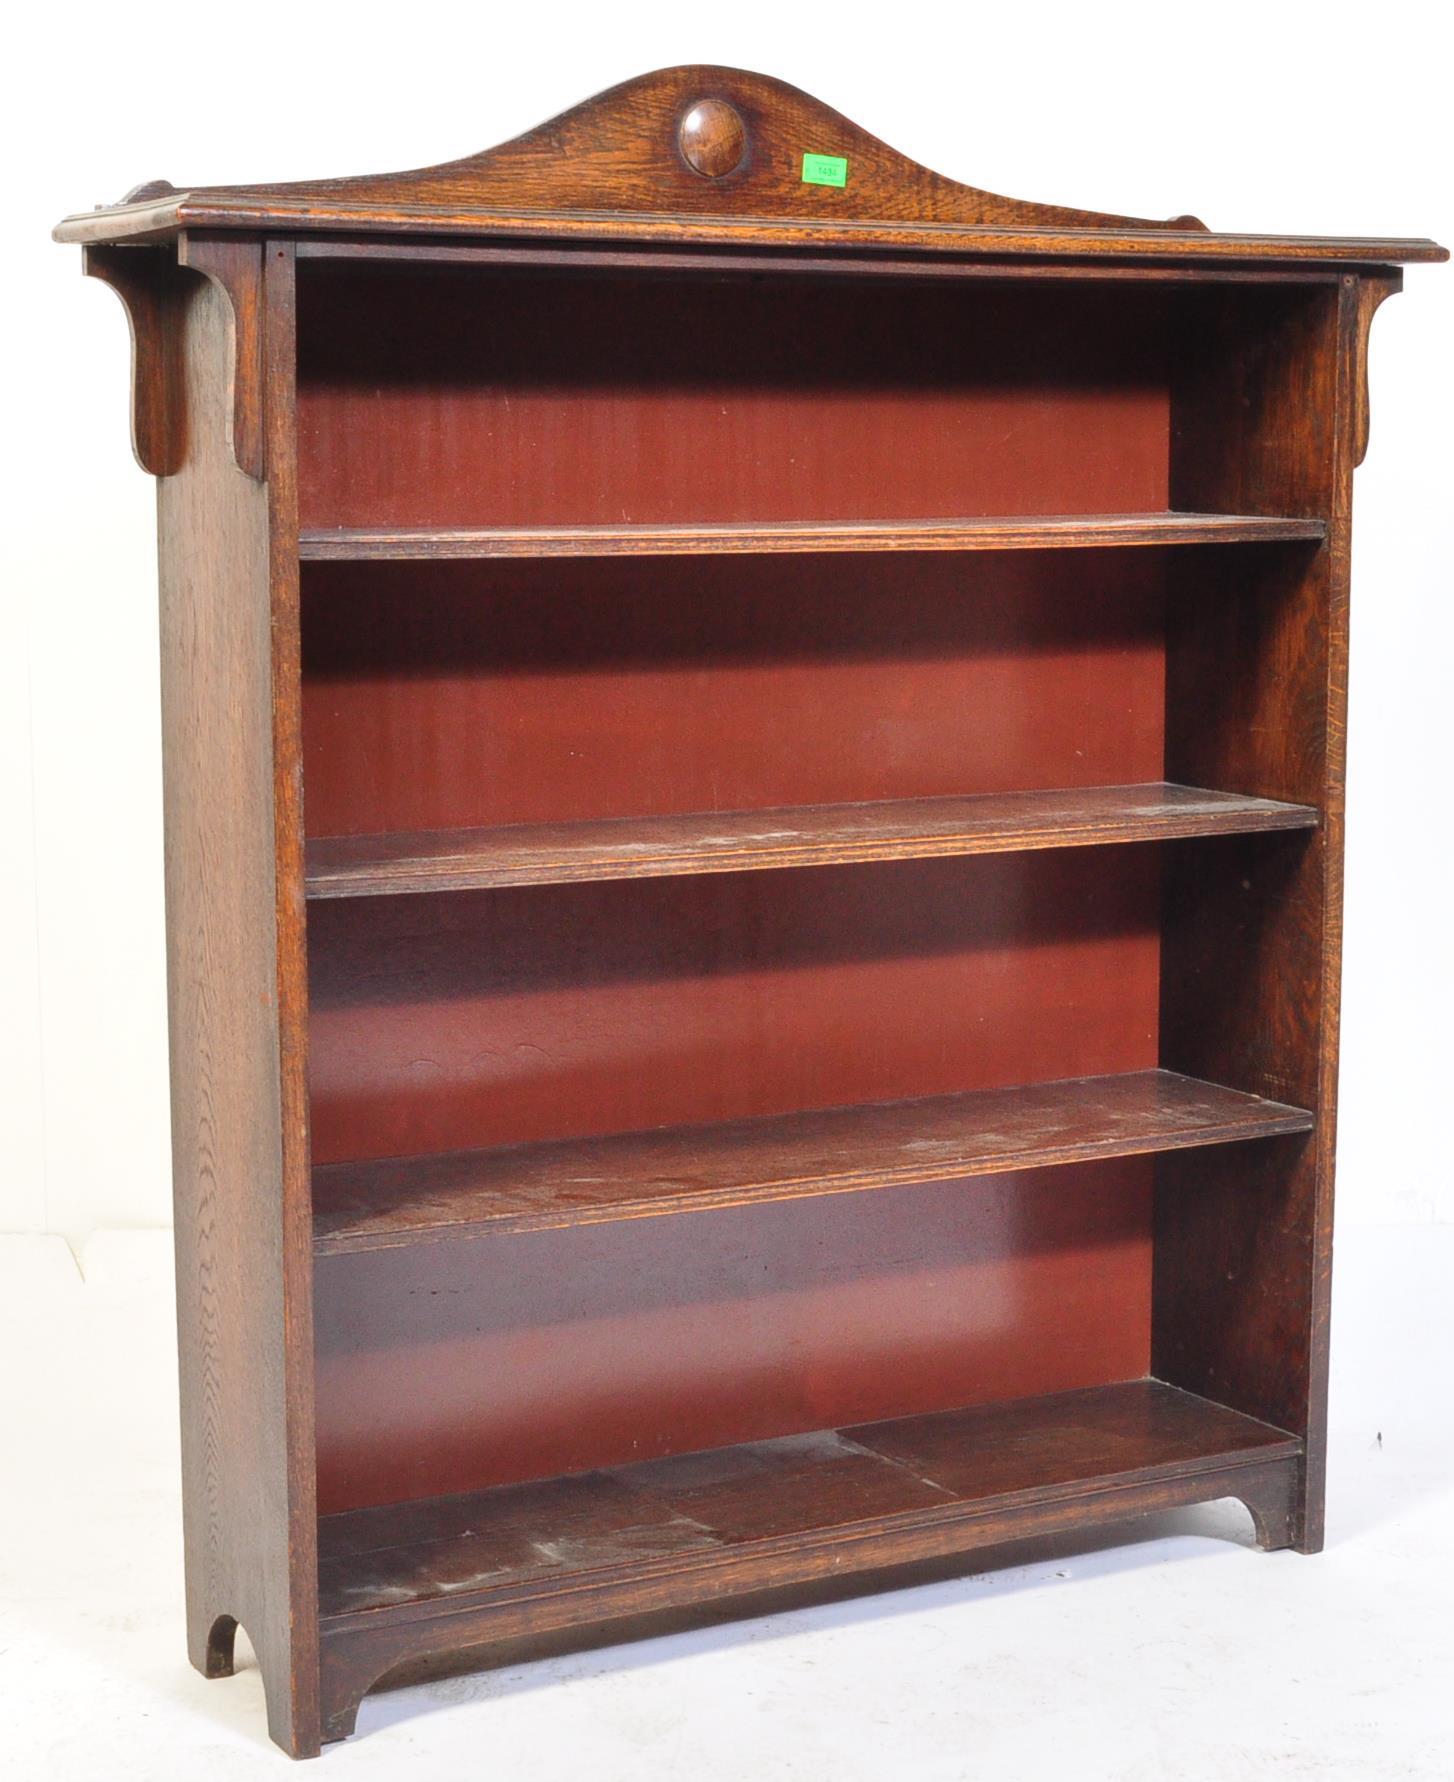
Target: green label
[{"x": 825, "y": 170}]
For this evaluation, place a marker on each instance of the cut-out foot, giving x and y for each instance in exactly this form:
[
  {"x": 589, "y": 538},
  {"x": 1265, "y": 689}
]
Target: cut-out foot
[
  {"x": 293, "y": 1724},
  {"x": 215, "y": 1657}
]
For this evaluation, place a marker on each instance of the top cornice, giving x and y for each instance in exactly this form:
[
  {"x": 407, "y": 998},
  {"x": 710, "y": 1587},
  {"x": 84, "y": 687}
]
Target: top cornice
[{"x": 699, "y": 155}]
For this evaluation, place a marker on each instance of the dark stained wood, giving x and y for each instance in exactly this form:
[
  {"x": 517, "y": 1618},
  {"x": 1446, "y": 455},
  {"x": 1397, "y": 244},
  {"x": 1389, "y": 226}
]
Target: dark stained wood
[
  {"x": 694, "y": 1169},
  {"x": 356, "y": 544},
  {"x": 1256, "y": 698},
  {"x": 361, "y": 1655},
  {"x": 623, "y": 152},
  {"x": 395, "y": 1560},
  {"x": 1371, "y": 292},
  {"x": 792, "y": 263},
  {"x": 613, "y": 167},
  {"x": 593, "y": 487},
  {"x": 804, "y": 835},
  {"x": 405, "y": 1579},
  {"x": 277, "y": 457},
  {"x": 235, "y": 266},
  {"x": 163, "y": 221},
  {"x": 713, "y": 138},
  {"x": 147, "y": 283},
  {"x": 237, "y": 1023}
]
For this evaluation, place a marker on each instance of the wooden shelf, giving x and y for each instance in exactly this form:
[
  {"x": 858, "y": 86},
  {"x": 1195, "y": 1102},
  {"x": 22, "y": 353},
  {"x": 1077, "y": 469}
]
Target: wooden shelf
[
  {"x": 661, "y": 378},
  {"x": 579, "y": 1548},
  {"x": 692, "y": 1169},
  {"x": 1014, "y": 533},
  {"x": 794, "y": 835}
]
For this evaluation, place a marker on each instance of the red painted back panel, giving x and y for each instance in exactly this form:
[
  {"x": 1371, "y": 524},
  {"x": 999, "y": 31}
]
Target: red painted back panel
[
  {"x": 462, "y": 398},
  {"x": 462, "y": 694},
  {"x": 465, "y": 694},
  {"x": 441, "y": 1369}
]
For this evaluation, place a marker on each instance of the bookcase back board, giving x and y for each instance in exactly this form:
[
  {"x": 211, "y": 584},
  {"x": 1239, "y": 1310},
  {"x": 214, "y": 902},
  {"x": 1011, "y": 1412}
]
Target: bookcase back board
[{"x": 754, "y": 800}]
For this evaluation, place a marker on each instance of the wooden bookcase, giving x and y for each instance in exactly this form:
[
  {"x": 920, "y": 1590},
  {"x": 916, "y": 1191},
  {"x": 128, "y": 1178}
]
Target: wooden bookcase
[{"x": 754, "y": 793}]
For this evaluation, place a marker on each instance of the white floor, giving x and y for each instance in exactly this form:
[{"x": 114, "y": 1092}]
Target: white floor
[{"x": 1184, "y": 1655}]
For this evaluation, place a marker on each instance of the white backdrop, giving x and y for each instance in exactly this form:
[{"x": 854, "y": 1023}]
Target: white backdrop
[{"x": 1254, "y": 117}]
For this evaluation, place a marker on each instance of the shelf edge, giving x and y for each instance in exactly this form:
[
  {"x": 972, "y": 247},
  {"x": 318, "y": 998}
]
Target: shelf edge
[
  {"x": 423, "y": 875},
  {"x": 922, "y": 1524},
  {"x": 1284, "y": 1122},
  {"x": 993, "y": 533}
]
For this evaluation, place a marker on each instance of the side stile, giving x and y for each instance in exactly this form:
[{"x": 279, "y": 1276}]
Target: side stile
[
  {"x": 279, "y": 296},
  {"x": 229, "y": 697}
]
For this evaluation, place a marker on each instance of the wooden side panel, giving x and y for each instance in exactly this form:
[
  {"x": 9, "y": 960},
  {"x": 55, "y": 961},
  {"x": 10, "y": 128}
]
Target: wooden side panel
[
  {"x": 1264, "y": 417},
  {"x": 237, "y": 1030}
]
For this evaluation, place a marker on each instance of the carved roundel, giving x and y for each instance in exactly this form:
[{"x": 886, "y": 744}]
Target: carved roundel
[{"x": 712, "y": 138}]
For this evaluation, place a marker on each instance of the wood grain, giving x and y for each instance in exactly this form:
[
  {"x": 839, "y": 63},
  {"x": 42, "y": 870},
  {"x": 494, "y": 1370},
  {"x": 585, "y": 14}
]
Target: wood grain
[
  {"x": 614, "y": 167},
  {"x": 397, "y": 1582},
  {"x": 147, "y": 283},
  {"x": 393, "y": 1562},
  {"x": 1371, "y": 292},
  {"x": 712, "y": 138},
  {"x": 1030, "y": 533},
  {"x": 845, "y": 262},
  {"x": 237, "y": 1031},
  {"x": 163, "y": 222},
  {"x": 635, "y": 353},
  {"x": 830, "y": 1151},
  {"x": 235, "y": 266},
  {"x": 1256, "y": 687},
  {"x": 804, "y": 835}
]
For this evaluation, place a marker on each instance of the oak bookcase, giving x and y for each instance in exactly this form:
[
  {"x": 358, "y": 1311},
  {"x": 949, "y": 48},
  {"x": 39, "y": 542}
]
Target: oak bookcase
[{"x": 754, "y": 797}]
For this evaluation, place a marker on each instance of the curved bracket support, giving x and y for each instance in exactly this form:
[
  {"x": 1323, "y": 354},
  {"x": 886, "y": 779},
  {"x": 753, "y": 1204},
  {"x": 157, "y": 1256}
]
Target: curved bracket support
[
  {"x": 153, "y": 288},
  {"x": 145, "y": 279},
  {"x": 1370, "y": 294},
  {"x": 236, "y": 267}
]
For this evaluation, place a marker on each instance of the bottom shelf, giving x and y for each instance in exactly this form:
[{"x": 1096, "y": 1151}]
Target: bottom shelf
[{"x": 560, "y": 1552}]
